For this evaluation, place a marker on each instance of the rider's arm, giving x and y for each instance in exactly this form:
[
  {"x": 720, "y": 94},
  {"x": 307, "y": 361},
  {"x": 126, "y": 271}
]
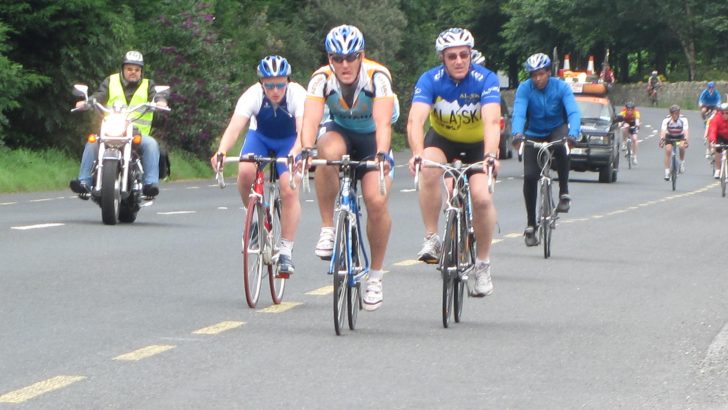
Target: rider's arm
[
  {"x": 686, "y": 130},
  {"x": 572, "y": 111},
  {"x": 713, "y": 129},
  {"x": 313, "y": 109},
  {"x": 520, "y": 106},
  {"x": 490, "y": 114},
  {"x": 382, "y": 110},
  {"x": 419, "y": 111},
  {"x": 248, "y": 105},
  {"x": 234, "y": 129},
  {"x": 296, "y": 102},
  {"x": 663, "y": 128}
]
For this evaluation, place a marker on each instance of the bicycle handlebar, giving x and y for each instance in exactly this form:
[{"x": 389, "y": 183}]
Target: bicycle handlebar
[
  {"x": 221, "y": 160},
  {"x": 455, "y": 169},
  {"x": 345, "y": 161}
]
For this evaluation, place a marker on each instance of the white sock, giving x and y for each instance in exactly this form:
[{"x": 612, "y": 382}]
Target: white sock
[
  {"x": 376, "y": 274},
  {"x": 285, "y": 247},
  {"x": 478, "y": 261}
]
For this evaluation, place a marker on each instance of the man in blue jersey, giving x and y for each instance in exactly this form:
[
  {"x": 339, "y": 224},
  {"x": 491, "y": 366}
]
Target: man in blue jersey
[
  {"x": 362, "y": 105},
  {"x": 462, "y": 101},
  {"x": 274, "y": 109},
  {"x": 548, "y": 104},
  {"x": 709, "y": 99}
]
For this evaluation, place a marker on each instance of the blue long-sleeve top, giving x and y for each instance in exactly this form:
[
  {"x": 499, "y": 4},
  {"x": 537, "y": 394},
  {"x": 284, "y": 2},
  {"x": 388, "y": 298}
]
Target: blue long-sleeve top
[
  {"x": 709, "y": 99},
  {"x": 545, "y": 109}
]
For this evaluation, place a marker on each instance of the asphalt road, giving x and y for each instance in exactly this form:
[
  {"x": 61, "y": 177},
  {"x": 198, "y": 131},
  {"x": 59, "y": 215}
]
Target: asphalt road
[{"x": 629, "y": 312}]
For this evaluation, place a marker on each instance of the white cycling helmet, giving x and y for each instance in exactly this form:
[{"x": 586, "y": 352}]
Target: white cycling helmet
[
  {"x": 454, "y": 37},
  {"x": 344, "y": 40},
  {"x": 477, "y": 57},
  {"x": 274, "y": 66},
  {"x": 537, "y": 62}
]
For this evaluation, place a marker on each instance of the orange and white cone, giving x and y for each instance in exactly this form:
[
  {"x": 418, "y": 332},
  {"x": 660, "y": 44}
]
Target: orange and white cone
[{"x": 590, "y": 66}]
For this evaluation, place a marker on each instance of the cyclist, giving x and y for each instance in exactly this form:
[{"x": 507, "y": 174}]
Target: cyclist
[
  {"x": 274, "y": 108},
  {"x": 462, "y": 101},
  {"x": 653, "y": 84},
  {"x": 709, "y": 99},
  {"x": 674, "y": 129},
  {"x": 718, "y": 134},
  {"x": 547, "y": 104},
  {"x": 362, "y": 106},
  {"x": 607, "y": 75},
  {"x": 630, "y": 127}
]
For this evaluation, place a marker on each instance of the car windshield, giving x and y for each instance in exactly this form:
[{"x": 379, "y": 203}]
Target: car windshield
[{"x": 594, "y": 110}]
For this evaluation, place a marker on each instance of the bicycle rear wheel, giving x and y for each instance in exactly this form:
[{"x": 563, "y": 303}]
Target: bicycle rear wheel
[
  {"x": 466, "y": 246},
  {"x": 449, "y": 265},
  {"x": 340, "y": 270},
  {"x": 252, "y": 244},
  {"x": 276, "y": 280}
]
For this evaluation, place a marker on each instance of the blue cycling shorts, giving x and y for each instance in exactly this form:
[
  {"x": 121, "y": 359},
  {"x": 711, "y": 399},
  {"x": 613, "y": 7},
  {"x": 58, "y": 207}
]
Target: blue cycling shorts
[{"x": 258, "y": 144}]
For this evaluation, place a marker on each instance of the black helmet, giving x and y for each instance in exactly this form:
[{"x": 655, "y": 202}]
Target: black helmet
[
  {"x": 133, "y": 57},
  {"x": 674, "y": 108},
  {"x": 629, "y": 104}
]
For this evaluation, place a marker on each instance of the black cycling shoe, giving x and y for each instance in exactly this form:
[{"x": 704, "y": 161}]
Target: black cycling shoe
[
  {"x": 80, "y": 188},
  {"x": 150, "y": 190},
  {"x": 564, "y": 204},
  {"x": 285, "y": 264},
  {"x": 529, "y": 235}
]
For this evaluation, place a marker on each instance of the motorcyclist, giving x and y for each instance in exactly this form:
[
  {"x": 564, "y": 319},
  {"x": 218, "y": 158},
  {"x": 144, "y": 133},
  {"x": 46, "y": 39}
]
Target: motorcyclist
[{"x": 129, "y": 87}]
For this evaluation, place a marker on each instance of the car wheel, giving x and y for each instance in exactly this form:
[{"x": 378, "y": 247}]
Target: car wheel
[{"x": 605, "y": 173}]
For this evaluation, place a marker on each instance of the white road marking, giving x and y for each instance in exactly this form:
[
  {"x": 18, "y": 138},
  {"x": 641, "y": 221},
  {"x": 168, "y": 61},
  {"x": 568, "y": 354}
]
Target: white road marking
[
  {"x": 143, "y": 353},
  {"x": 176, "y": 213},
  {"x": 7, "y": 203},
  {"x": 222, "y": 208},
  {"x": 716, "y": 357},
  {"x": 42, "y": 200},
  {"x": 37, "y": 226},
  {"x": 407, "y": 190},
  {"x": 407, "y": 262},
  {"x": 192, "y": 187}
]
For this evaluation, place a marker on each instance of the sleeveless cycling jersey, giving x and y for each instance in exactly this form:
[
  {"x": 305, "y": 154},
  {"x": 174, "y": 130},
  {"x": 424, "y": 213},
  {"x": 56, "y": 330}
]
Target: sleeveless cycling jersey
[
  {"x": 675, "y": 128},
  {"x": 268, "y": 119},
  {"x": 456, "y": 106},
  {"x": 374, "y": 83},
  {"x": 630, "y": 118}
]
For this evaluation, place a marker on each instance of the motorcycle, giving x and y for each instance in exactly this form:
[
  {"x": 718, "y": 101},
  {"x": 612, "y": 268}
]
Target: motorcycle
[{"x": 117, "y": 171}]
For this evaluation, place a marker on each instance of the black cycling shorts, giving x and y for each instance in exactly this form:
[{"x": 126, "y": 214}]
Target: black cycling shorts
[{"x": 468, "y": 153}]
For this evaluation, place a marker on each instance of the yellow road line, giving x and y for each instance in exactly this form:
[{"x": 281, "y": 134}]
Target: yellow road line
[
  {"x": 144, "y": 352},
  {"x": 282, "y": 307},
  {"x": 36, "y": 389},
  {"x": 513, "y": 235},
  {"x": 494, "y": 241},
  {"x": 407, "y": 262},
  {"x": 321, "y": 291},
  {"x": 218, "y": 328}
]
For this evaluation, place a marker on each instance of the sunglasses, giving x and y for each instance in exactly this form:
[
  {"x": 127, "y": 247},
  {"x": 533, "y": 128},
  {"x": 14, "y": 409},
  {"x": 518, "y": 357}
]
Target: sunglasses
[
  {"x": 350, "y": 58},
  {"x": 464, "y": 55},
  {"x": 270, "y": 86}
]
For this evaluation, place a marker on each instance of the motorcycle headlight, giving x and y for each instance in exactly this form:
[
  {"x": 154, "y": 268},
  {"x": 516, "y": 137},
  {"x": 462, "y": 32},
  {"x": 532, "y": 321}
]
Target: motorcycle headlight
[{"x": 115, "y": 126}]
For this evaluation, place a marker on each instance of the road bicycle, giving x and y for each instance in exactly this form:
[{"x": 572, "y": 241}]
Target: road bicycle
[
  {"x": 547, "y": 213},
  {"x": 262, "y": 227},
  {"x": 458, "y": 247},
  {"x": 628, "y": 154},
  {"x": 349, "y": 263},
  {"x": 674, "y": 159},
  {"x": 723, "y": 175}
]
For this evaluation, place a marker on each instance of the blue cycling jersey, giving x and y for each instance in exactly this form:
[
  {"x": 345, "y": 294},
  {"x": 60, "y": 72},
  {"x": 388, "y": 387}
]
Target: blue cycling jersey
[
  {"x": 709, "y": 99},
  {"x": 271, "y": 120},
  {"x": 456, "y": 106},
  {"x": 545, "y": 109}
]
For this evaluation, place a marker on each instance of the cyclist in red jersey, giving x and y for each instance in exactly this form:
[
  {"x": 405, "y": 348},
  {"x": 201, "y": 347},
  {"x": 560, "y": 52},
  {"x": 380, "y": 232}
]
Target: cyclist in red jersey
[{"x": 718, "y": 134}]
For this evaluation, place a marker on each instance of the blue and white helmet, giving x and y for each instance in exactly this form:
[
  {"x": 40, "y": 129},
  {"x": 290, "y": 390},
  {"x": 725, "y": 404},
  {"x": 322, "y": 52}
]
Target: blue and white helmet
[
  {"x": 344, "y": 40},
  {"x": 454, "y": 37},
  {"x": 537, "y": 62},
  {"x": 274, "y": 66},
  {"x": 711, "y": 84}
]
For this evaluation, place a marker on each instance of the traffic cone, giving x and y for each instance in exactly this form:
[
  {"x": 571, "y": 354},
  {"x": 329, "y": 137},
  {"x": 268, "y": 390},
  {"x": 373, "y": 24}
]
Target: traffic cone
[
  {"x": 567, "y": 65},
  {"x": 590, "y": 66}
]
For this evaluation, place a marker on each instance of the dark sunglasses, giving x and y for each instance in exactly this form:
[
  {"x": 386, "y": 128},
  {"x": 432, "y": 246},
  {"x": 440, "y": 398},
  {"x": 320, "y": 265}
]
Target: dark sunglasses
[
  {"x": 270, "y": 86},
  {"x": 350, "y": 58},
  {"x": 464, "y": 55}
]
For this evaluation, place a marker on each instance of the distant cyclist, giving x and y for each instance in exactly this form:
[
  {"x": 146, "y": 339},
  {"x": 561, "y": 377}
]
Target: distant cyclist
[
  {"x": 674, "y": 130},
  {"x": 274, "y": 109},
  {"x": 462, "y": 102},
  {"x": 548, "y": 106},
  {"x": 718, "y": 133},
  {"x": 630, "y": 127},
  {"x": 653, "y": 84},
  {"x": 709, "y": 99}
]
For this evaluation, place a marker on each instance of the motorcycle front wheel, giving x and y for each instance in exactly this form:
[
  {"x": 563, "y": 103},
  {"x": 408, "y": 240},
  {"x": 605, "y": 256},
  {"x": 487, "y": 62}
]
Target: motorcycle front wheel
[{"x": 110, "y": 191}]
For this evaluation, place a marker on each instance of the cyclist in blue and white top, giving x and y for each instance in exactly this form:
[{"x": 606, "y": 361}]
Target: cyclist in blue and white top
[
  {"x": 274, "y": 109},
  {"x": 674, "y": 130},
  {"x": 709, "y": 99},
  {"x": 462, "y": 101},
  {"x": 362, "y": 106},
  {"x": 552, "y": 113}
]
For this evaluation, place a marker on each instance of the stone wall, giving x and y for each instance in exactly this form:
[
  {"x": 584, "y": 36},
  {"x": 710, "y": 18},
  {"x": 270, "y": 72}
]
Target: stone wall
[{"x": 683, "y": 93}]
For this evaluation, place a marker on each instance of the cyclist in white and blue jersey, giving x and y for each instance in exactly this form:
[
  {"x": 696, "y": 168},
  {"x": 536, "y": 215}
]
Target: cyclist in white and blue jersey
[
  {"x": 274, "y": 109},
  {"x": 462, "y": 101},
  {"x": 362, "y": 106}
]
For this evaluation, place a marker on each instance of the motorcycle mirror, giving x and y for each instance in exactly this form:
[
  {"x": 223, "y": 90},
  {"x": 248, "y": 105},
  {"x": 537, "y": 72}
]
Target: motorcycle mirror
[
  {"x": 161, "y": 89},
  {"x": 80, "y": 90}
]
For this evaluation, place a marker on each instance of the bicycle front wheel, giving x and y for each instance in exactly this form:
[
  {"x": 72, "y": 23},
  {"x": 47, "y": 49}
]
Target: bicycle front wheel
[
  {"x": 339, "y": 269},
  {"x": 723, "y": 178},
  {"x": 276, "y": 280},
  {"x": 673, "y": 171},
  {"x": 546, "y": 213},
  {"x": 629, "y": 153},
  {"x": 353, "y": 292},
  {"x": 252, "y": 243},
  {"x": 449, "y": 265}
]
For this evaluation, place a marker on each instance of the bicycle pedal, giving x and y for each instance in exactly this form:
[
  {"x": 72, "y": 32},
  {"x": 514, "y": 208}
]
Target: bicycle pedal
[{"x": 283, "y": 275}]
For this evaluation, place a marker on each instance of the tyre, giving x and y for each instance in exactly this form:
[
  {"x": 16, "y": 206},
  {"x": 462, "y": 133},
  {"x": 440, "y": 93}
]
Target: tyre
[
  {"x": 629, "y": 153},
  {"x": 723, "y": 178},
  {"x": 448, "y": 265},
  {"x": 605, "y": 173},
  {"x": 252, "y": 244},
  {"x": 546, "y": 213},
  {"x": 276, "y": 281},
  {"x": 674, "y": 166},
  {"x": 110, "y": 191},
  {"x": 339, "y": 269},
  {"x": 353, "y": 293}
]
